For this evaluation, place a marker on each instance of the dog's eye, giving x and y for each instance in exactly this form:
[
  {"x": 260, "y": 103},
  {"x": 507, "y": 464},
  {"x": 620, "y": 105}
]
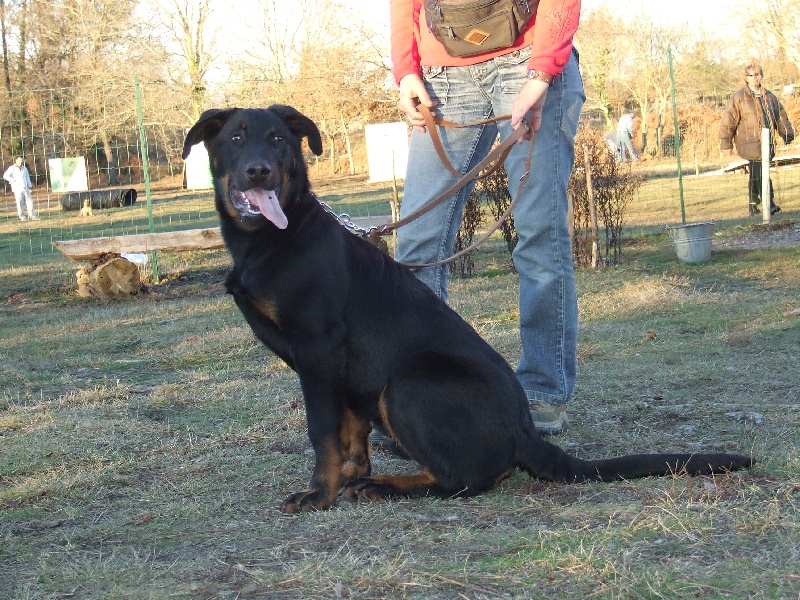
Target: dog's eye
[
  {"x": 236, "y": 137},
  {"x": 277, "y": 138}
]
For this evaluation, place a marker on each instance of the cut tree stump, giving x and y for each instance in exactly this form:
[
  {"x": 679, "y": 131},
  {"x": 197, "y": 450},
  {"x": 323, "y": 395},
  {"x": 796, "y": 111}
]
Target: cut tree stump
[{"x": 107, "y": 277}]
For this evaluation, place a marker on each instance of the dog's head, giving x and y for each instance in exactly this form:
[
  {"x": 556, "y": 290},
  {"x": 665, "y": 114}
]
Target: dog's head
[{"x": 256, "y": 160}]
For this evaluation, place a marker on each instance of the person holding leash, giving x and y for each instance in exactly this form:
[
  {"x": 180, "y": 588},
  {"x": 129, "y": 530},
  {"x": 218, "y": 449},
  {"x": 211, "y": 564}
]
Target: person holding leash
[
  {"x": 534, "y": 77},
  {"x": 750, "y": 109},
  {"x": 20, "y": 181}
]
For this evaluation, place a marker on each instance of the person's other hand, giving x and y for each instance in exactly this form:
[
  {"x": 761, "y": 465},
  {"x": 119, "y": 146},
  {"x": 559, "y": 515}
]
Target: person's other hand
[
  {"x": 413, "y": 93},
  {"x": 530, "y": 99}
]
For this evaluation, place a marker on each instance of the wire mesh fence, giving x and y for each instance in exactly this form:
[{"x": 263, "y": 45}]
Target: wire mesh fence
[{"x": 45, "y": 125}]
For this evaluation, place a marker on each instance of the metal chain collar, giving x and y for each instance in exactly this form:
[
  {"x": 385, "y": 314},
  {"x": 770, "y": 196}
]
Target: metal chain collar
[{"x": 346, "y": 221}]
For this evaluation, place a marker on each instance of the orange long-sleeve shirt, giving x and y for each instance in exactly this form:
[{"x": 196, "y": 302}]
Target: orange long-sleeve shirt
[{"x": 549, "y": 34}]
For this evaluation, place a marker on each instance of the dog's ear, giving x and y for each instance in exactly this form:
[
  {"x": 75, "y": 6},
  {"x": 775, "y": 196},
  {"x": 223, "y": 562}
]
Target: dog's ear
[
  {"x": 208, "y": 126},
  {"x": 300, "y": 125}
]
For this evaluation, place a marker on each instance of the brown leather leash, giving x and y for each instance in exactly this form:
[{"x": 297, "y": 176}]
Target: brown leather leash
[{"x": 488, "y": 165}]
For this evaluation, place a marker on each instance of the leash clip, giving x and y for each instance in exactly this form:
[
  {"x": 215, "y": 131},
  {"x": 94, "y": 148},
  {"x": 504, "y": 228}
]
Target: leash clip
[{"x": 346, "y": 221}]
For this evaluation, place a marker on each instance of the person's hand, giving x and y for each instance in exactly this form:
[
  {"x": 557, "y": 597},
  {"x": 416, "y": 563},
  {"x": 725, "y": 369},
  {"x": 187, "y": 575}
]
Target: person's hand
[
  {"x": 530, "y": 99},
  {"x": 413, "y": 93}
]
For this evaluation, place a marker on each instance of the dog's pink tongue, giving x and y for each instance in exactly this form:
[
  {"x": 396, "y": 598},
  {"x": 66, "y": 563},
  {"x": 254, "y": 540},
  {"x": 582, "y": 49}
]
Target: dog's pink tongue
[{"x": 267, "y": 203}]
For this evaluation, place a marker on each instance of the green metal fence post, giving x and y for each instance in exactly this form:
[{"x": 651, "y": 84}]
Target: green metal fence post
[
  {"x": 677, "y": 133},
  {"x": 146, "y": 169}
]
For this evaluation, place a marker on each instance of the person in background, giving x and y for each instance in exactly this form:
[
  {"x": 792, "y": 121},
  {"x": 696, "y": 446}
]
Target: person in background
[
  {"x": 612, "y": 144},
  {"x": 624, "y": 135},
  {"x": 751, "y": 109},
  {"x": 20, "y": 180},
  {"x": 537, "y": 79}
]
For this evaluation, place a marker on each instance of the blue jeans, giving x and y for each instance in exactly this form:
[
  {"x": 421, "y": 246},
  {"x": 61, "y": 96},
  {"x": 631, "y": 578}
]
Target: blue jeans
[
  {"x": 625, "y": 146},
  {"x": 543, "y": 256}
]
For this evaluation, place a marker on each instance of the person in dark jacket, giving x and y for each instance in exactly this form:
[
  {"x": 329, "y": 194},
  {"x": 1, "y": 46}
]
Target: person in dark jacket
[{"x": 751, "y": 109}]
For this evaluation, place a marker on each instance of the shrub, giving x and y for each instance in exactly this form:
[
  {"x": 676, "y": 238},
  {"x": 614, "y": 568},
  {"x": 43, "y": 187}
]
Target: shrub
[{"x": 613, "y": 186}]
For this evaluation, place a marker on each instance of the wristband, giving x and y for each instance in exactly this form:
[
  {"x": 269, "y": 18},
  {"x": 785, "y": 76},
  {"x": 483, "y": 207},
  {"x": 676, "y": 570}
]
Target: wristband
[{"x": 541, "y": 76}]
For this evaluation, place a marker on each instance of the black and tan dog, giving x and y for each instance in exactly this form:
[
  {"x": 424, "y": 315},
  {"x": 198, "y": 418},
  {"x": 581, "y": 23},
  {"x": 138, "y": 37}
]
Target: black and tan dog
[{"x": 369, "y": 342}]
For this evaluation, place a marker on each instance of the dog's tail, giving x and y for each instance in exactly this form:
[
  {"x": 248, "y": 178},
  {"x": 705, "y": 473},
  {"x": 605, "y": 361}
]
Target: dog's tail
[{"x": 544, "y": 460}]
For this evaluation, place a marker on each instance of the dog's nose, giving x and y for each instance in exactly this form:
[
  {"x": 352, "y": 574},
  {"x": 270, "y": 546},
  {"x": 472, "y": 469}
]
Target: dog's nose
[{"x": 258, "y": 172}]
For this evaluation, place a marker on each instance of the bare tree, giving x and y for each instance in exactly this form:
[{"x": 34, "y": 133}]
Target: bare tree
[
  {"x": 320, "y": 57},
  {"x": 81, "y": 52},
  {"x": 281, "y": 31},
  {"x": 601, "y": 52},
  {"x": 103, "y": 40},
  {"x": 4, "y": 33},
  {"x": 342, "y": 93},
  {"x": 774, "y": 28},
  {"x": 644, "y": 69},
  {"x": 191, "y": 39},
  {"x": 703, "y": 72},
  {"x": 28, "y": 38}
]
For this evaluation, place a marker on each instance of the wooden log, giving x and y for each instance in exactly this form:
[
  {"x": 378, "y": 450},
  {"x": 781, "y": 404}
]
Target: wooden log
[
  {"x": 110, "y": 276},
  {"x": 170, "y": 241}
]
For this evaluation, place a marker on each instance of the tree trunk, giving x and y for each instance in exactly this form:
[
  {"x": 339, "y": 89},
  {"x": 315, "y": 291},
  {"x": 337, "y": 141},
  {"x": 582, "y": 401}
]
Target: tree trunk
[
  {"x": 23, "y": 44},
  {"x": 328, "y": 133},
  {"x": 6, "y": 72},
  {"x": 592, "y": 209},
  {"x": 347, "y": 142},
  {"x": 110, "y": 276},
  {"x": 644, "y": 110},
  {"x": 112, "y": 161}
]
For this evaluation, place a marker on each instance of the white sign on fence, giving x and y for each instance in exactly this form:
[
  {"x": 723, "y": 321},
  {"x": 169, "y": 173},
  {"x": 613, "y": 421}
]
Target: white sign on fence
[
  {"x": 387, "y": 151},
  {"x": 68, "y": 174},
  {"x": 198, "y": 170}
]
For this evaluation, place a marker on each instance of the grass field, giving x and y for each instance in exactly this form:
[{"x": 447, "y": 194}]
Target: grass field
[{"x": 146, "y": 444}]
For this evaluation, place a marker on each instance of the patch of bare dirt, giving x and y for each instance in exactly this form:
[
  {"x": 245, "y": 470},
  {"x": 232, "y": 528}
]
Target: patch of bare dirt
[{"x": 783, "y": 234}]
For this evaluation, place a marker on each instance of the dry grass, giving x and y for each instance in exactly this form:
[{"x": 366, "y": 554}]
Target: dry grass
[{"x": 146, "y": 445}]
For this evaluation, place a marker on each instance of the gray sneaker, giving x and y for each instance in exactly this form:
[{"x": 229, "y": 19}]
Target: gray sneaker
[{"x": 548, "y": 418}]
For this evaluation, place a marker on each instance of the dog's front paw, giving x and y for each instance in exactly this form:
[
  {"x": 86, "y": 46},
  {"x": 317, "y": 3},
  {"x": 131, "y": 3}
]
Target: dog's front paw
[{"x": 306, "y": 501}]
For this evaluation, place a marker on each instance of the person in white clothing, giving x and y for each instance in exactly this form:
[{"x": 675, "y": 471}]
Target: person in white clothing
[
  {"x": 624, "y": 134},
  {"x": 20, "y": 180}
]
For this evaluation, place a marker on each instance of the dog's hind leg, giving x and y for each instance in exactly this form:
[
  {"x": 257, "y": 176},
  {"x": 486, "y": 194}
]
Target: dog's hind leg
[
  {"x": 394, "y": 486},
  {"x": 443, "y": 415},
  {"x": 355, "y": 447},
  {"x": 413, "y": 486}
]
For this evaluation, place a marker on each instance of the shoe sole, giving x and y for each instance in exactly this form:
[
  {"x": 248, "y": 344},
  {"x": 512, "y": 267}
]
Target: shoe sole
[{"x": 548, "y": 421}]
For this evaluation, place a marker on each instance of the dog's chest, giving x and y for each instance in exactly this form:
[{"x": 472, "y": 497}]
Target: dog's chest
[{"x": 256, "y": 301}]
